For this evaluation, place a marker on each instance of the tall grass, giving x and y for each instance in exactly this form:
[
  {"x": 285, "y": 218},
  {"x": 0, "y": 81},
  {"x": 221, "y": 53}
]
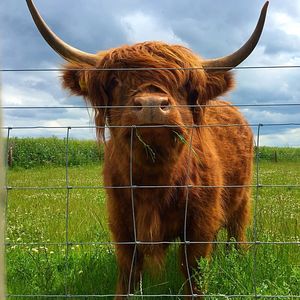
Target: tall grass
[
  {"x": 277, "y": 154},
  {"x": 32, "y": 152}
]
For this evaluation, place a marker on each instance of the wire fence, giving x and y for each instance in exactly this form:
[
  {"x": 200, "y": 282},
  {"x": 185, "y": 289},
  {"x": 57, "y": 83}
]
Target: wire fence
[{"x": 256, "y": 241}]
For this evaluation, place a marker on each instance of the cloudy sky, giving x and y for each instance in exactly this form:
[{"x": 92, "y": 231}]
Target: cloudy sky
[{"x": 210, "y": 28}]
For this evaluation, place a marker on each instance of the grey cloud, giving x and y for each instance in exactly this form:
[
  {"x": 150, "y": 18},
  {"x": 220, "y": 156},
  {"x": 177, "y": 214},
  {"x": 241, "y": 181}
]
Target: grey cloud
[
  {"x": 210, "y": 30},
  {"x": 94, "y": 25},
  {"x": 36, "y": 114},
  {"x": 276, "y": 42}
]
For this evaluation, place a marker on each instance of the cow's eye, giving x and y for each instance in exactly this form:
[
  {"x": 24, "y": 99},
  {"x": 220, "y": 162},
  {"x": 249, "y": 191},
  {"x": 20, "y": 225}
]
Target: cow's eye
[
  {"x": 113, "y": 83},
  {"x": 193, "y": 96},
  {"x": 155, "y": 89}
]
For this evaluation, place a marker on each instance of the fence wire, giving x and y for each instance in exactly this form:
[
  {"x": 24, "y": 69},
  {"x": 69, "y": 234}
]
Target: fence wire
[
  {"x": 253, "y": 67},
  {"x": 68, "y": 188}
]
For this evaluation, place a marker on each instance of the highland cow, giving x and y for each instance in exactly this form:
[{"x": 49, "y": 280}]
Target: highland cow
[{"x": 178, "y": 163}]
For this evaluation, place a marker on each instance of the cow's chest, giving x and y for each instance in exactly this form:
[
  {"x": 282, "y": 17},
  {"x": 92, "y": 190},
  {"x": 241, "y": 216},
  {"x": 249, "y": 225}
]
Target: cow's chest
[{"x": 158, "y": 216}]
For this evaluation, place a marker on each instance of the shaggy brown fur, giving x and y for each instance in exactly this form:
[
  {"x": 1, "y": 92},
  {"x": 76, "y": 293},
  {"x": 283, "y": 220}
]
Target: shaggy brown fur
[{"x": 174, "y": 157}]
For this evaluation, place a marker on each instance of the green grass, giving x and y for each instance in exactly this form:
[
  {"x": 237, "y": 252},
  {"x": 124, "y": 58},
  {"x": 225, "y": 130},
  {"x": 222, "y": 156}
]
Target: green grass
[{"x": 39, "y": 216}]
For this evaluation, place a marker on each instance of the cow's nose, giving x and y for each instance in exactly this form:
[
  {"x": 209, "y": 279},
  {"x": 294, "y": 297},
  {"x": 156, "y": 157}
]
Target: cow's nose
[
  {"x": 158, "y": 104},
  {"x": 151, "y": 109}
]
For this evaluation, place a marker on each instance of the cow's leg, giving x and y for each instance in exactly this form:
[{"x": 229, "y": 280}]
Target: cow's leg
[
  {"x": 239, "y": 220},
  {"x": 190, "y": 255},
  {"x": 130, "y": 264}
]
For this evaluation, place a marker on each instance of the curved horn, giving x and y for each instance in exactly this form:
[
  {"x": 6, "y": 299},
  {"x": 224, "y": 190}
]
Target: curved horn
[
  {"x": 227, "y": 63},
  {"x": 66, "y": 51}
]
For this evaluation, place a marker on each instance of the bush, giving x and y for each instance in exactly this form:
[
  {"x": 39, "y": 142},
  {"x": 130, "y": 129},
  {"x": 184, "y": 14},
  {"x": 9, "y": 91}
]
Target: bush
[
  {"x": 33, "y": 152},
  {"x": 278, "y": 154}
]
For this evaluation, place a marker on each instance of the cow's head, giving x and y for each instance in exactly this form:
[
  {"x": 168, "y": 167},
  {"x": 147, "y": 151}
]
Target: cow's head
[{"x": 165, "y": 84}]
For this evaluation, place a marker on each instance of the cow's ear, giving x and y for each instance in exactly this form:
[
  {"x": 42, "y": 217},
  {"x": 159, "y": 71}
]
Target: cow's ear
[
  {"x": 81, "y": 81},
  {"x": 218, "y": 84},
  {"x": 204, "y": 86},
  {"x": 75, "y": 79}
]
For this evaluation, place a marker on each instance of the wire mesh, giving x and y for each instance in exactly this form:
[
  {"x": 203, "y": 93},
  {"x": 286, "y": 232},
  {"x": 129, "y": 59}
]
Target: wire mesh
[{"x": 69, "y": 188}]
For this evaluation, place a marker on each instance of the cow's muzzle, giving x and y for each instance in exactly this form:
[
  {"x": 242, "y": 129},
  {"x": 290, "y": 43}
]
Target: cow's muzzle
[{"x": 151, "y": 109}]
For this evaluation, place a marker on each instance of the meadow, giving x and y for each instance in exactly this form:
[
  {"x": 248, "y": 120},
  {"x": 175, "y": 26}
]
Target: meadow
[{"x": 57, "y": 237}]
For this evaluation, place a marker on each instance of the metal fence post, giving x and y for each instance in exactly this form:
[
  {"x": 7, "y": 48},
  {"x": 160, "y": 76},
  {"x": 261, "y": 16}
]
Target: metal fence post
[{"x": 2, "y": 209}]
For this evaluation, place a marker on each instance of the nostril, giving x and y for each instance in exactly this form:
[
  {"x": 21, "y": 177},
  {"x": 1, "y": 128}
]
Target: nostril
[
  {"x": 164, "y": 105},
  {"x": 150, "y": 104},
  {"x": 137, "y": 104}
]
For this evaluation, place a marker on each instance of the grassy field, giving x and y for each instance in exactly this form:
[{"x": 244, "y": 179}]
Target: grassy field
[{"x": 41, "y": 263}]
